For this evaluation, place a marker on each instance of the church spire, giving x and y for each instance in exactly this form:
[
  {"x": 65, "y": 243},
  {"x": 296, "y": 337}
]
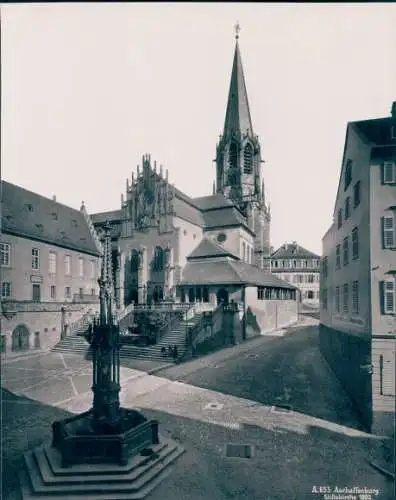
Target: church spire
[{"x": 238, "y": 118}]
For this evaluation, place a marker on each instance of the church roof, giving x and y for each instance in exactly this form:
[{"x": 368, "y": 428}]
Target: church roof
[
  {"x": 212, "y": 202},
  {"x": 224, "y": 271},
  {"x": 30, "y": 215},
  {"x": 208, "y": 248},
  {"x": 293, "y": 251},
  {"x": 224, "y": 217},
  {"x": 103, "y": 217},
  {"x": 238, "y": 113}
]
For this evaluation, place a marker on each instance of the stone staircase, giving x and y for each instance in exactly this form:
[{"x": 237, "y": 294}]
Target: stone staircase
[
  {"x": 77, "y": 344},
  {"x": 176, "y": 336}
]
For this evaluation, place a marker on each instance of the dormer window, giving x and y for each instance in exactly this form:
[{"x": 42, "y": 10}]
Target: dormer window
[{"x": 248, "y": 159}]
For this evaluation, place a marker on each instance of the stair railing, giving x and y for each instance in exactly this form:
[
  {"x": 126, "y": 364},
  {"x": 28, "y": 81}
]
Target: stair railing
[
  {"x": 83, "y": 321},
  {"x": 124, "y": 312}
]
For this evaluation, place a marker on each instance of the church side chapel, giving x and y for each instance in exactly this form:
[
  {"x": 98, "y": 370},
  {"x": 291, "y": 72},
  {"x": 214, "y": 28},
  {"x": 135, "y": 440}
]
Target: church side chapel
[{"x": 210, "y": 250}]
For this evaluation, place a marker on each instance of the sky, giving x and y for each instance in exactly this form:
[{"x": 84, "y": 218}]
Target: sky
[{"x": 88, "y": 88}]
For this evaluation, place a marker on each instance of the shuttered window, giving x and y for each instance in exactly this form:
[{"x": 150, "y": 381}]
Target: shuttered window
[
  {"x": 388, "y": 296},
  {"x": 388, "y": 231},
  {"x": 387, "y": 375}
]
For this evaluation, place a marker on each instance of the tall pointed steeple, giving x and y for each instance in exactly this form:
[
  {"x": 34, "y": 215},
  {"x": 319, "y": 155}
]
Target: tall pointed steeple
[
  {"x": 238, "y": 119},
  {"x": 238, "y": 161}
]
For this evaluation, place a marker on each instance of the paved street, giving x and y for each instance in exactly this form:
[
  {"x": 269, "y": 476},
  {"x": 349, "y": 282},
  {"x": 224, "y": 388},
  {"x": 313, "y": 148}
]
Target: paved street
[{"x": 224, "y": 398}]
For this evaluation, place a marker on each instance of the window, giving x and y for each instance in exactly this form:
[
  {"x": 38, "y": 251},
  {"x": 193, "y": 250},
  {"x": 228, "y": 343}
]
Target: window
[
  {"x": 5, "y": 251},
  {"x": 298, "y": 264},
  {"x": 35, "y": 258},
  {"x": 233, "y": 156},
  {"x": 389, "y": 173},
  {"x": 68, "y": 292},
  {"x": 356, "y": 194},
  {"x": 81, "y": 292},
  {"x": 339, "y": 218},
  {"x": 92, "y": 269},
  {"x": 248, "y": 159},
  {"x": 275, "y": 263},
  {"x": 345, "y": 297},
  {"x": 310, "y": 279},
  {"x": 67, "y": 265},
  {"x": 243, "y": 251},
  {"x": 355, "y": 297},
  {"x": 338, "y": 299},
  {"x": 310, "y": 294},
  {"x": 92, "y": 291},
  {"x": 260, "y": 293},
  {"x": 387, "y": 374},
  {"x": 53, "y": 292},
  {"x": 52, "y": 262},
  {"x": 388, "y": 231},
  {"x": 295, "y": 278},
  {"x": 355, "y": 243},
  {"x": 6, "y": 289},
  {"x": 324, "y": 267},
  {"x": 389, "y": 296},
  {"x": 158, "y": 259},
  {"x": 205, "y": 294},
  {"x": 338, "y": 256},
  {"x": 345, "y": 249},
  {"x": 81, "y": 267},
  {"x": 36, "y": 293},
  {"x": 300, "y": 278},
  {"x": 347, "y": 209},
  {"x": 285, "y": 264},
  {"x": 324, "y": 298},
  {"x": 347, "y": 174}
]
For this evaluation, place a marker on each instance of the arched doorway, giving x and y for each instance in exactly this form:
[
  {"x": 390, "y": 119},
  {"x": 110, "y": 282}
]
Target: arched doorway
[
  {"x": 222, "y": 296},
  {"x": 20, "y": 338}
]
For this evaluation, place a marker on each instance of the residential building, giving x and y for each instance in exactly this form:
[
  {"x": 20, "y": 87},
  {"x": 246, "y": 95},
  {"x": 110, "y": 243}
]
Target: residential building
[
  {"x": 160, "y": 233},
  {"x": 358, "y": 285},
  {"x": 49, "y": 262},
  {"x": 297, "y": 265}
]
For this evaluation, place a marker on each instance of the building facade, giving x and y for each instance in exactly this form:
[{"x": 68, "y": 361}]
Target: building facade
[
  {"x": 159, "y": 230},
  {"x": 297, "y": 265},
  {"x": 49, "y": 257},
  {"x": 358, "y": 286}
]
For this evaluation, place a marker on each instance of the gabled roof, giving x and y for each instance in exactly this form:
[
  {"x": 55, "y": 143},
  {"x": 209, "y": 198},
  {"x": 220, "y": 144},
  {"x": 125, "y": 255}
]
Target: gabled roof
[
  {"x": 225, "y": 271},
  {"x": 238, "y": 113},
  {"x": 208, "y": 249},
  {"x": 293, "y": 251},
  {"x": 186, "y": 210},
  {"x": 30, "y": 215},
  {"x": 377, "y": 131}
]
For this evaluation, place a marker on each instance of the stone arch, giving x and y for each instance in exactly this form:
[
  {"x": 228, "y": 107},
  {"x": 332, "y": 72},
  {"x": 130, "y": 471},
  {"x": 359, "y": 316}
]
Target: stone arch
[{"x": 20, "y": 338}]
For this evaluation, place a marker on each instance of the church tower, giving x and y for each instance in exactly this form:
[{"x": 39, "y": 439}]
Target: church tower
[{"x": 238, "y": 162}]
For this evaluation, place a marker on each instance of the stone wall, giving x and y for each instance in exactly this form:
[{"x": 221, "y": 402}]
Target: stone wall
[
  {"x": 44, "y": 319},
  {"x": 349, "y": 357}
]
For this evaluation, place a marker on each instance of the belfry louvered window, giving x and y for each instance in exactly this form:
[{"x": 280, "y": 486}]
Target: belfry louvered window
[
  {"x": 248, "y": 159},
  {"x": 233, "y": 156}
]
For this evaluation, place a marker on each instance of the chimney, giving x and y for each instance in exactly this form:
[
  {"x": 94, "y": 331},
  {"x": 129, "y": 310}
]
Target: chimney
[{"x": 53, "y": 198}]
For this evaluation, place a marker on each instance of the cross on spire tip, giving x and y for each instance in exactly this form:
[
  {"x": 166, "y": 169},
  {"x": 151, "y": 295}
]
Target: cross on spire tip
[{"x": 237, "y": 29}]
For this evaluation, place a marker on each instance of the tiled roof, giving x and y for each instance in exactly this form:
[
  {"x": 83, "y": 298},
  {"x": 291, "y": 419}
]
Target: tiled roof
[
  {"x": 33, "y": 216},
  {"x": 212, "y": 202},
  {"x": 226, "y": 272},
  {"x": 103, "y": 217},
  {"x": 208, "y": 248},
  {"x": 210, "y": 272},
  {"x": 185, "y": 211},
  {"x": 293, "y": 251},
  {"x": 377, "y": 131},
  {"x": 254, "y": 275},
  {"x": 223, "y": 217}
]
